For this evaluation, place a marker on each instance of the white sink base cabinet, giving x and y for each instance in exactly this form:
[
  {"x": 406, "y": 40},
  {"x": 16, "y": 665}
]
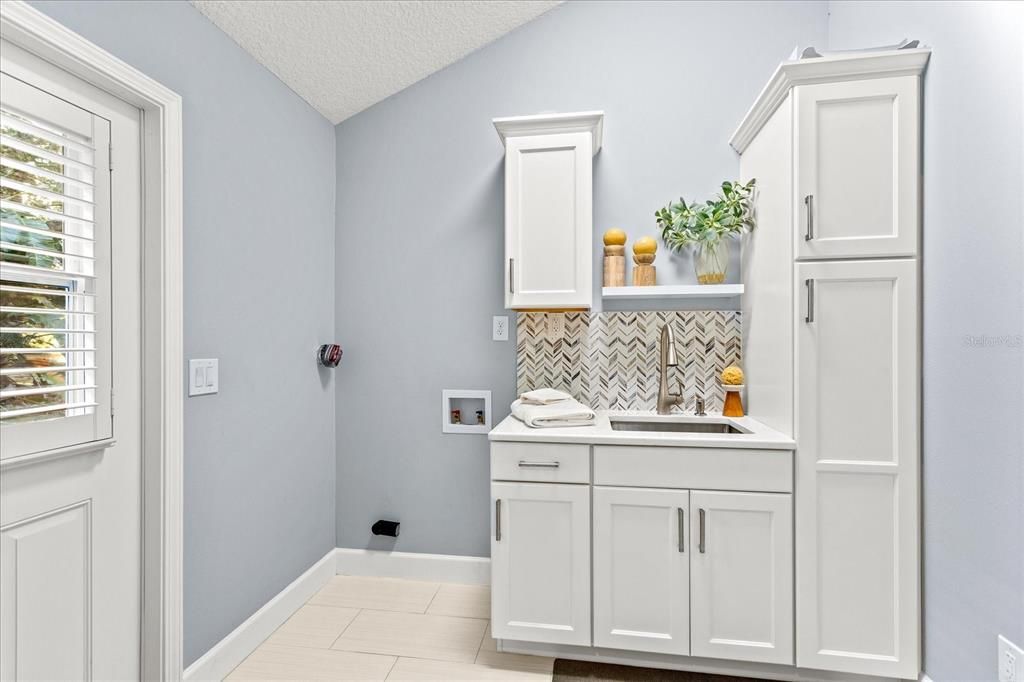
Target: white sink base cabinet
[
  {"x": 642, "y": 569},
  {"x": 540, "y": 562},
  {"x": 701, "y": 568},
  {"x": 741, "y": 576}
]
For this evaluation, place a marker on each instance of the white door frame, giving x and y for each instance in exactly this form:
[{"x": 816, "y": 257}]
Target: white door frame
[{"x": 162, "y": 372}]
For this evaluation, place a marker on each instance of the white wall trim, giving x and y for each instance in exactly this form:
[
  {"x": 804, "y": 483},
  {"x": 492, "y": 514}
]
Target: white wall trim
[
  {"x": 226, "y": 654},
  {"x": 162, "y": 372},
  {"x": 444, "y": 568}
]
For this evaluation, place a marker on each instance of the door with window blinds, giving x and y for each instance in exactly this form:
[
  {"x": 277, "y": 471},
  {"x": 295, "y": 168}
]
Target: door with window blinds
[
  {"x": 70, "y": 468},
  {"x": 54, "y": 272}
]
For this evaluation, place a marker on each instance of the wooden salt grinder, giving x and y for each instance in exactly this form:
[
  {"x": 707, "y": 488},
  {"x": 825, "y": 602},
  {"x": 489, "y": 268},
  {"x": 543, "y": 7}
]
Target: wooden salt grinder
[{"x": 644, "y": 273}]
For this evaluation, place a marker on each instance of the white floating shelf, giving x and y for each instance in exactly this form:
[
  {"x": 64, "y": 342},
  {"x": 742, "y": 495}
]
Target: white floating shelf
[{"x": 674, "y": 291}]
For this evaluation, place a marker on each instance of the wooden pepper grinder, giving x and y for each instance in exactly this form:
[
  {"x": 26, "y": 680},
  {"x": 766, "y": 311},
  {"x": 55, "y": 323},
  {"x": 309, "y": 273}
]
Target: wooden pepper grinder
[
  {"x": 614, "y": 258},
  {"x": 644, "y": 273}
]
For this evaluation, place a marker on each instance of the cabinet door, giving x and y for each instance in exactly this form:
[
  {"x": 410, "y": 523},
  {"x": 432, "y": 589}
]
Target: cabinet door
[
  {"x": 857, "y": 467},
  {"x": 857, "y": 168},
  {"x": 548, "y": 227},
  {"x": 641, "y": 570},
  {"x": 540, "y": 562},
  {"x": 741, "y": 576}
]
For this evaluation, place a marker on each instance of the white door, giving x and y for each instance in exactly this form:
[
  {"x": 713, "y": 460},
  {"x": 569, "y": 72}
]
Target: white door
[
  {"x": 857, "y": 168},
  {"x": 642, "y": 569},
  {"x": 548, "y": 226},
  {"x": 70, "y": 463},
  {"x": 540, "y": 562},
  {"x": 741, "y": 576},
  {"x": 857, "y": 467}
]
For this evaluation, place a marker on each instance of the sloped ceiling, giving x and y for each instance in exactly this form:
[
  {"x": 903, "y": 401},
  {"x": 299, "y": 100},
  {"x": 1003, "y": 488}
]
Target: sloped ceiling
[{"x": 343, "y": 56}]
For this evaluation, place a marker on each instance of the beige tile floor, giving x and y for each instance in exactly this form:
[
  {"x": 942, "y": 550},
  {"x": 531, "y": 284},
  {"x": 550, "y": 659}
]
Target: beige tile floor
[{"x": 389, "y": 629}]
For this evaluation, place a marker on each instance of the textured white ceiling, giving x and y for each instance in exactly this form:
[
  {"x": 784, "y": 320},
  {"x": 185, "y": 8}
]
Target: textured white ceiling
[{"x": 343, "y": 56}]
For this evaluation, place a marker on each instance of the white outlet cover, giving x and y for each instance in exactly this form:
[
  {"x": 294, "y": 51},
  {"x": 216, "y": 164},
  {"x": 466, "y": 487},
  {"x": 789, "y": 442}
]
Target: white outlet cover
[
  {"x": 499, "y": 328},
  {"x": 556, "y": 326},
  {"x": 203, "y": 376},
  {"x": 1011, "y": 661}
]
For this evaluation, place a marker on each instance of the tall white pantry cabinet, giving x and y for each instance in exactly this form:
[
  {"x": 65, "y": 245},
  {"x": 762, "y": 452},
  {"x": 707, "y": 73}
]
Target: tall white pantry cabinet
[{"x": 831, "y": 342}]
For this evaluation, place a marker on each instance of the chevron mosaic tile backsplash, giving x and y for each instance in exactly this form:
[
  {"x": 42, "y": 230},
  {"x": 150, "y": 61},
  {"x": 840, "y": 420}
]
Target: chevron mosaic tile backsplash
[{"x": 610, "y": 360}]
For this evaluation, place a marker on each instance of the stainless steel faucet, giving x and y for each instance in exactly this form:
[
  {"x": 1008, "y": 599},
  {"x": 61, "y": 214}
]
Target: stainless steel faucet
[{"x": 668, "y": 359}]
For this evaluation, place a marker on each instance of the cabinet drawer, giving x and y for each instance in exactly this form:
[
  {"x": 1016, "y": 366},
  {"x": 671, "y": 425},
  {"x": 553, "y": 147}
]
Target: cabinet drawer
[
  {"x": 543, "y": 462},
  {"x": 694, "y": 468}
]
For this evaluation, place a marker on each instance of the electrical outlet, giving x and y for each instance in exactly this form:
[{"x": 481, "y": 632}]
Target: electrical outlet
[
  {"x": 1011, "y": 661},
  {"x": 556, "y": 326},
  {"x": 499, "y": 328}
]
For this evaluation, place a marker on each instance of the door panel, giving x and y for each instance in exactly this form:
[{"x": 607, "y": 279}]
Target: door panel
[
  {"x": 857, "y": 467},
  {"x": 548, "y": 227},
  {"x": 741, "y": 576},
  {"x": 641, "y": 570},
  {"x": 540, "y": 562},
  {"x": 857, "y": 168},
  {"x": 45, "y": 579},
  {"x": 70, "y": 527}
]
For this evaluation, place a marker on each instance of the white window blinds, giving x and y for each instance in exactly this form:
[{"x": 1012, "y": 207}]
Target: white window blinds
[{"x": 48, "y": 359}]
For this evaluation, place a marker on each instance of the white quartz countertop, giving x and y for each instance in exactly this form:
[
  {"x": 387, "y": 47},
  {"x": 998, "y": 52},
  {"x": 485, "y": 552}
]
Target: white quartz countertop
[{"x": 755, "y": 434}]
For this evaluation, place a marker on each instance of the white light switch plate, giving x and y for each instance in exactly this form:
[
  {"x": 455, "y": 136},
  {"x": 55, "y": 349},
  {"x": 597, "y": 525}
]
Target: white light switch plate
[
  {"x": 1011, "y": 661},
  {"x": 499, "y": 328},
  {"x": 202, "y": 376}
]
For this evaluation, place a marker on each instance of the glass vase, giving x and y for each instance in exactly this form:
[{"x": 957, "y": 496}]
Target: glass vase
[{"x": 711, "y": 260}]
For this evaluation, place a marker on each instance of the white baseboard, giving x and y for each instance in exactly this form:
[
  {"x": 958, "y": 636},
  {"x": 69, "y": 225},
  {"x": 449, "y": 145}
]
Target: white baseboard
[
  {"x": 226, "y": 654},
  {"x": 444, "y": 568}
]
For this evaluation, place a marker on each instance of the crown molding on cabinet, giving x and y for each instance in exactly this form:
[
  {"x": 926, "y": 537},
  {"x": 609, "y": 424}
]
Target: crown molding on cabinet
[
  {"x": 542, "y": 124},
  {"x": 855, "y": 66}
]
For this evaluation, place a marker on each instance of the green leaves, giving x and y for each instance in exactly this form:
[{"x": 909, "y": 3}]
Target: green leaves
[{"x": 727, "y": 214}]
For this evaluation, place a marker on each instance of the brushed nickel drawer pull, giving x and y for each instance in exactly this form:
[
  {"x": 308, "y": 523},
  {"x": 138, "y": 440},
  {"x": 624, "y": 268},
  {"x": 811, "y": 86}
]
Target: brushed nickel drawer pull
[
  {"x": 700, "y": 543},
  {"x": 511, "y": 276},
  {"x": 497, "y": 520},
  {"x": 538, "y": 465},
  {"x": 682, "y": 545}
]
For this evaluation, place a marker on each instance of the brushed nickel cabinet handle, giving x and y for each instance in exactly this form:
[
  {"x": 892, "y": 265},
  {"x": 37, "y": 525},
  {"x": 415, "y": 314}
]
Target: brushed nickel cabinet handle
[
  {"x": 700, "y": 542},
  {"x": 497, "y": 520},
  {"x": 809, "y": 203},
  {"x": 538, "y": 465},
  {"x": 682, "y": 544},
  {"x": 511, "y": 275},
  {"x": 809, "y": 283}
]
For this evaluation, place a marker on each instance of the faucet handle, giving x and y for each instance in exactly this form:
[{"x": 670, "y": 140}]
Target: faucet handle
[{"x": 699, "y": 406}]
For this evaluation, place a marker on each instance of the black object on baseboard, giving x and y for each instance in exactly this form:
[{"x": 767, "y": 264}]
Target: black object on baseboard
[{"x": 382, "y": 527}]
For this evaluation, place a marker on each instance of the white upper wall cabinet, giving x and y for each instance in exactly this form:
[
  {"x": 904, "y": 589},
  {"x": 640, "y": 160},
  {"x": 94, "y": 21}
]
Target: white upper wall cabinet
[
  {"x": 857, "y": 165},
  {"x": 548, "y": 209}
]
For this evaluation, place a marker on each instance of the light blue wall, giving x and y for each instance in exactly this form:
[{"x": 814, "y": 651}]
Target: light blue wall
[
  {"x": 420, "y": 224},
  {"x": 973, "y": 467},
  {"x": 259, "y": 292}
]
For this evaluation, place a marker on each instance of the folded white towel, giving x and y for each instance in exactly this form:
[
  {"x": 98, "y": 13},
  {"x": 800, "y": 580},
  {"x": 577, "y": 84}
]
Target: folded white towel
[
  {"x": 564, "y": 413},
  {"x": 544, "y": 396}
]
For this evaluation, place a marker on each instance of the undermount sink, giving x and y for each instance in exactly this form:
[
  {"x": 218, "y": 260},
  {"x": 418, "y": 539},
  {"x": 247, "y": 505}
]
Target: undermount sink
[{"x": 699, "y": 425}]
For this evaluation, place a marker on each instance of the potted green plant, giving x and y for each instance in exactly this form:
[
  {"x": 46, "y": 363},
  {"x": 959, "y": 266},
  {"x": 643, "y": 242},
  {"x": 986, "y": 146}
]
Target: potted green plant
[{"x": 706, "y": 226}]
